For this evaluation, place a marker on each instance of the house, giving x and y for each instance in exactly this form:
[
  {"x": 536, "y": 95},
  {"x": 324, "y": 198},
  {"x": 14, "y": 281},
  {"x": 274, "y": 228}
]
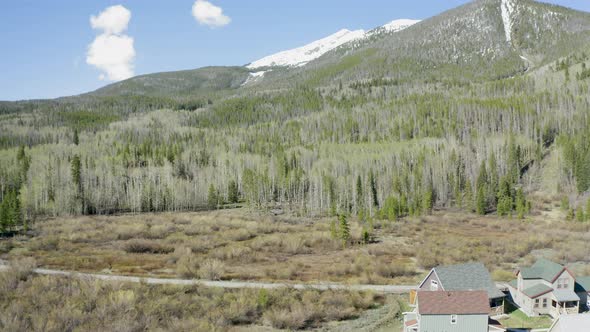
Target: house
[
  {"x": 545, "y": 288},
  {"x": 571, "y": 323},
  {"x": 450, "y": 311},
  {"x": 465, "y": 277},
  {"x": 583, "y": 291}
]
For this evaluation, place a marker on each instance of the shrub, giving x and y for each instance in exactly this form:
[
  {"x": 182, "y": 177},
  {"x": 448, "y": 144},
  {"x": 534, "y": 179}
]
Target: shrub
[
  {"x": 17, "y": 272},
  {"x": 295, "y": 246},
  {"x": 49, "y": 243},
  {"x": 23, "y": 268},
  {"x": 293, "y": 318},
  {"x": 392, "y": 270},
  {"x": 502, "y": 275},
  {"x": 142, "y": 246},
  {"x": 187, "y": 265},
  {"x": 211, "y": 269}
]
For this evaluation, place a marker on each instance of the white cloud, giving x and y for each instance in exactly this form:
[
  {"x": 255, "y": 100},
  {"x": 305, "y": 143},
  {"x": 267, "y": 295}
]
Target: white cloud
[
  {"x": 113, "y": 20},
  {"x": 208, "y": 14},
  {"x": 112, "y": 51}
]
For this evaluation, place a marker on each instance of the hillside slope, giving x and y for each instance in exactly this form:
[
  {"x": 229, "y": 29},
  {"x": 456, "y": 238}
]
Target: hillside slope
[
  {"x": 179, "y": 83},
  {"x": 482, "y": 40}
]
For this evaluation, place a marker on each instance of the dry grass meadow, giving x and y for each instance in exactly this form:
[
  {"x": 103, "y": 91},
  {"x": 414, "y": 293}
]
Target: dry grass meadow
[
  {"x": 47, "y": 303},
  {"x": 242, "y": 245}
]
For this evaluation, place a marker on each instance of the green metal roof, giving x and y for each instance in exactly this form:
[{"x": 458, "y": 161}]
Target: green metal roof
[
  {"x": 513, "y": 283},
  {"x": 583, "y": 284},
  {"x": 537, "y": 290},
  {"x": 469, "y": 276},
  {"x": 564, "y": 295},
  {"x": 542, "y": 269}
]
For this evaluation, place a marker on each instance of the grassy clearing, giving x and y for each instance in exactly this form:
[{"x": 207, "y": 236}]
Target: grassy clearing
[
  {"x": 64, "y": 304},
  {"x": 238, "y": 244},
  {"x": 519, "y": 320}
]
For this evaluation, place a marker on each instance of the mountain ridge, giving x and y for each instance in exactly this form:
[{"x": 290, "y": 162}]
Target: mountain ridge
[{"x": 302, "y": 55}]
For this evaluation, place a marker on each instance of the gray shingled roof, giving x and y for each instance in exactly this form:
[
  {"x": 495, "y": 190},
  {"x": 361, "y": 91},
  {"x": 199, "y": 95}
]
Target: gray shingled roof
[
  {"x": 542, "y": 269},
  {"x": 537, "y": 290},
  {"x": 469, "y": 276}
]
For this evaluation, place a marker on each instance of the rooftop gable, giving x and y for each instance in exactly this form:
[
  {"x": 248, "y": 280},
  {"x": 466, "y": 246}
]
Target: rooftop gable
[
  {"x": 542, "y": 269},
  {"x": 453, "y": 303},
  {"x": 467, "y": 277}
]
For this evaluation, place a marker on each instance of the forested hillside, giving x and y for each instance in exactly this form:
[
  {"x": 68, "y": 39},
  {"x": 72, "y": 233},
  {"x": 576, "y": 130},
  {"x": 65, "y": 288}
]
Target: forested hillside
[{"x": 453, "y": 112}]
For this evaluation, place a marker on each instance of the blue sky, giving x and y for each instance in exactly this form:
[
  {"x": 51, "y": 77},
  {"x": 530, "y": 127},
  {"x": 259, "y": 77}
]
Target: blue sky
[{"x": 45, "y": 43}]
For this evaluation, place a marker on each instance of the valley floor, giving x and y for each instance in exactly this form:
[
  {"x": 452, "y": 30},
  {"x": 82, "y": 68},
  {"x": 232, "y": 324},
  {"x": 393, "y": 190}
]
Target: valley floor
[{"x": 242, "y": 245}]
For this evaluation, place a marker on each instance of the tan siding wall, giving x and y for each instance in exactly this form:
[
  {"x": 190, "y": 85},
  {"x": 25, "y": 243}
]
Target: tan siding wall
[
  {"x": 427, "y": 283},
  {"x": 567, "y": 276}
]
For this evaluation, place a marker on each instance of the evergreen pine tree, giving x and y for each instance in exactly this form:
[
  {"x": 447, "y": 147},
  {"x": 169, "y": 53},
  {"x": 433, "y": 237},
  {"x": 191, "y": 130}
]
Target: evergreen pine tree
[
  {"x": 481, "y": 187},
  {"x": 233, "y": 193},
  {"x": 344, "y": 230},
  {"x": 480, "y": 201},
  {"x": 12, "y": 206},
  {"x": 212, "y": 197},
  {"x": 373, "y": 184},
  {"x": 76, "y": 168},
  {"x": 482, "y": 177},
  {"x": 4, "y": 215},
  {"x": 24, "y": 163},
  {"x": 521, "y": 204},
  {"x": 76, "y": 137},
  {"x": 359, "y": 193},
  {"x": 493, "y": 181},
  {"x": 21, "y": 155},
  {"x": 514, "y": 156},
  {"x": 468, "y": 201},
  {"x": 428, "y": 201},
  {"x": 366, "y": 236}
]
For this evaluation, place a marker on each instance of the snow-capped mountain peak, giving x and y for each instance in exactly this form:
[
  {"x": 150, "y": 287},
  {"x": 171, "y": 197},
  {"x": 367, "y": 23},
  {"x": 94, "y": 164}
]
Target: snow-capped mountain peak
[
  {"x": 302, "y": 55},
  {"x": 398, "y": 25}
]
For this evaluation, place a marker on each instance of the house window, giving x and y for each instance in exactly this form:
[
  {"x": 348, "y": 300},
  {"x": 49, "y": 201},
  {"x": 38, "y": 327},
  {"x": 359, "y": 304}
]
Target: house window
[
  {"x": 554, "y": 304},
  {"x": 544, "y": 303},
  {"x": 433, "y": 285},
  {"x": 563, "y": 283},
  {"x": 453, "y": 319},
  {"x": 536, "y": 303}
]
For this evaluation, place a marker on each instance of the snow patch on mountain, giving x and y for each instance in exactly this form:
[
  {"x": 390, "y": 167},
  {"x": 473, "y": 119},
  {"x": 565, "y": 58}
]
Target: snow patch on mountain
[
  {"x": 394, "y": 26},
  {"x": 300, "y": 56},
  {"x": 255, "y": 76},
  {"x": 508, "y": 9}
]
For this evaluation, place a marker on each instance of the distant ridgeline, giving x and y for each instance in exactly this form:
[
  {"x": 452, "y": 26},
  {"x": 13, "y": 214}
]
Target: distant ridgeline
[{"x": 473, "y": 109}]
